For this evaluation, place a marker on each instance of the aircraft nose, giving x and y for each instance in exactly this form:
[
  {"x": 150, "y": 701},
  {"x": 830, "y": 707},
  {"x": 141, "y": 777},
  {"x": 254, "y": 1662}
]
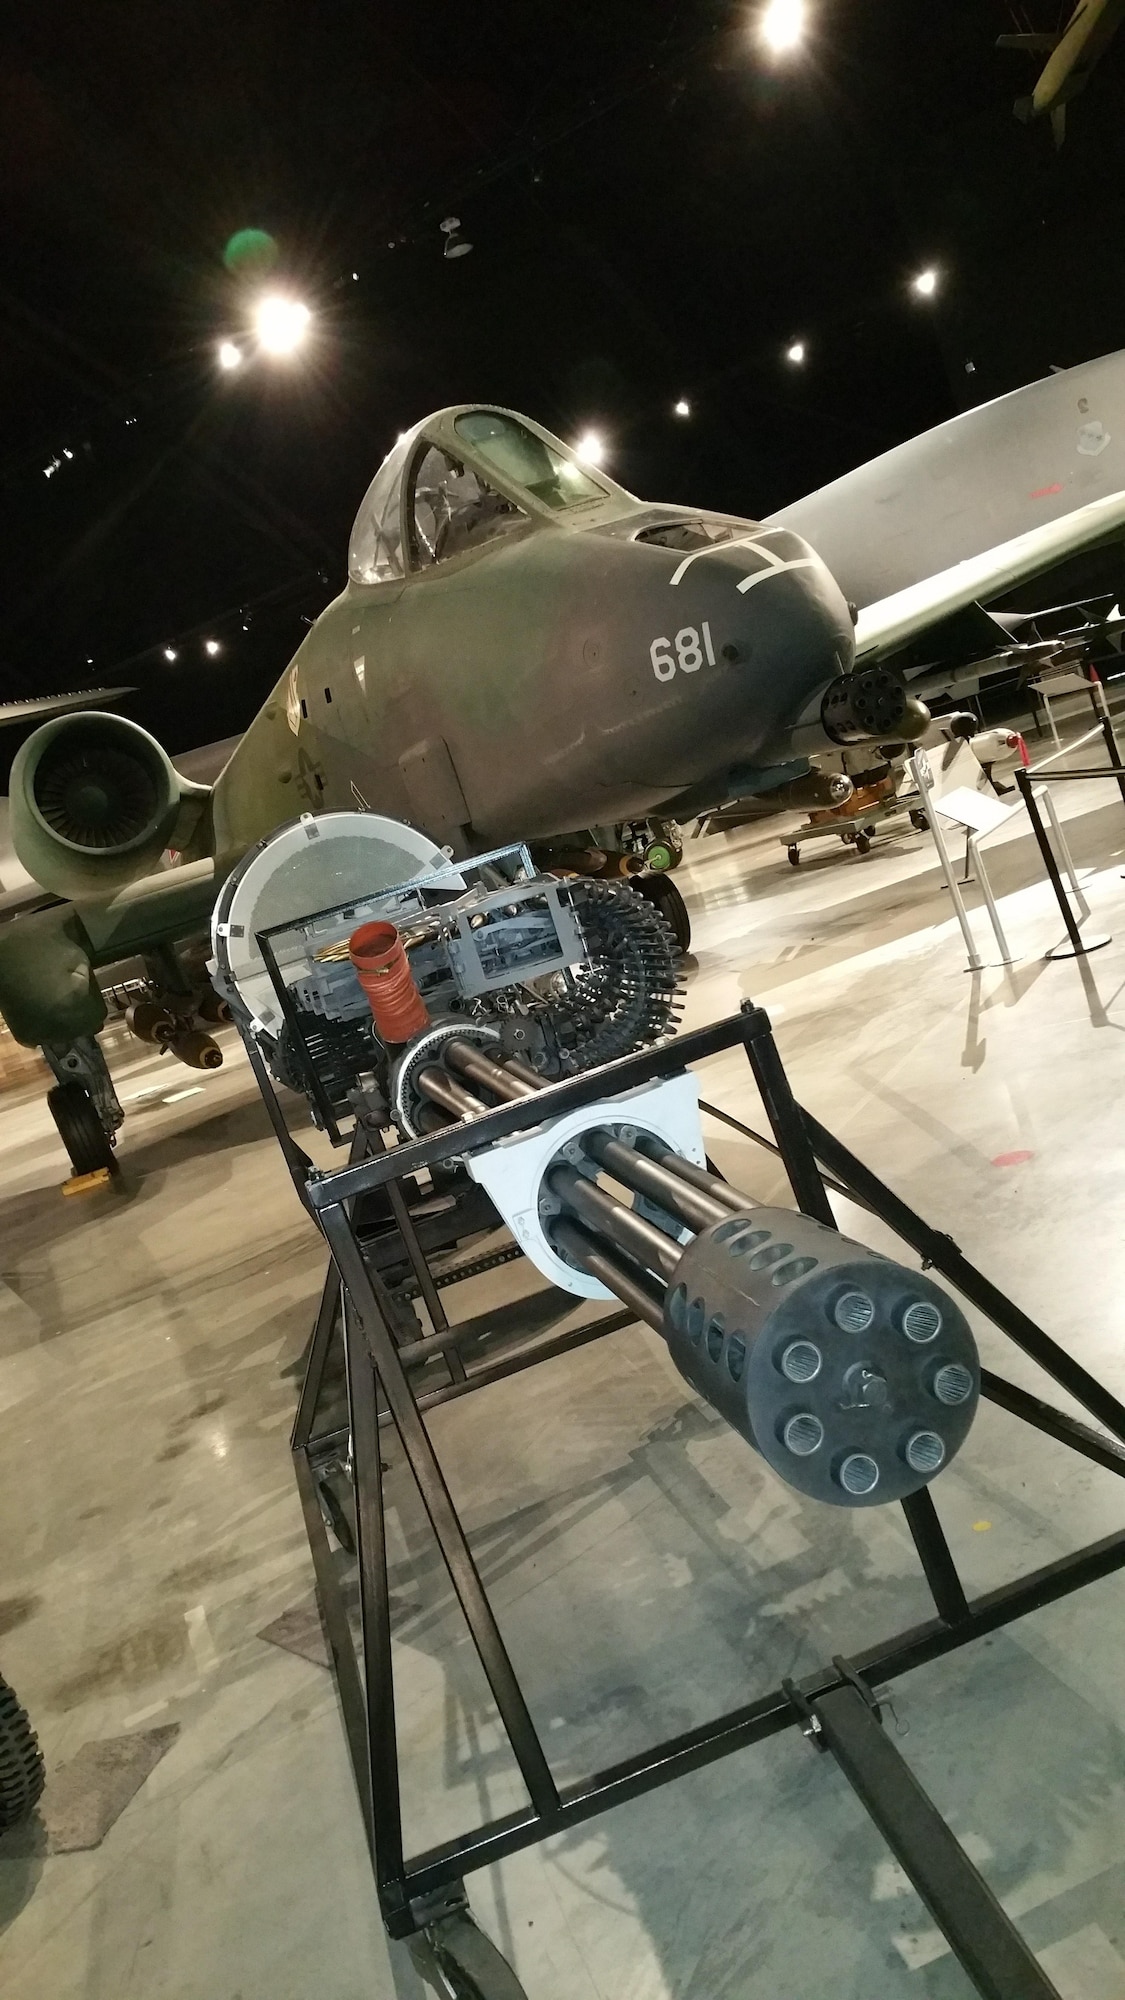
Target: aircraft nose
[{"x": 776, "y": 618}]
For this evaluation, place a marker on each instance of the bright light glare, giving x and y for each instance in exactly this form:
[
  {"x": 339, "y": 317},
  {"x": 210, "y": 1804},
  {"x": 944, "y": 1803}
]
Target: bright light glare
[
  {"x": 170, "y": 653},
  {"x": 230, "y": 356},
  {"x": 782, "y": 25},
  {"x": 682, "y": 408},
  {"x": 590, "y": 448},
  {"x": 211, "y": 646},
  {"x": 925, "y": 284},
  {"x": 282, "y": 323},
  {"x": 795, "y": 353}
]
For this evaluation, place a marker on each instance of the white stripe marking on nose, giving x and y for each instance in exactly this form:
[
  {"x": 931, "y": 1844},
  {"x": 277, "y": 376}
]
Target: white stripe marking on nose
[
  {"x": 776, "y": 569},
  {"x": 756, "y": 542},
  {"x": 753, "y": 541}
]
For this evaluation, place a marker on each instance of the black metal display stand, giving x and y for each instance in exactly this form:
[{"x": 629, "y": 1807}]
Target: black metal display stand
[{"x": 421, "y": 1895}]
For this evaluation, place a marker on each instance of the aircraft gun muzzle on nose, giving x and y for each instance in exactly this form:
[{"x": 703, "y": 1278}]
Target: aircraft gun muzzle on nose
[{"x": 871, "y": 705}]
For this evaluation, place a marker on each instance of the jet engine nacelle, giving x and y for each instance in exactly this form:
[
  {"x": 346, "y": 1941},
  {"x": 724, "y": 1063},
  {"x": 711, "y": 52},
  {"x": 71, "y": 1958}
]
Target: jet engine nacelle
[{"x": 94, "y": 803}]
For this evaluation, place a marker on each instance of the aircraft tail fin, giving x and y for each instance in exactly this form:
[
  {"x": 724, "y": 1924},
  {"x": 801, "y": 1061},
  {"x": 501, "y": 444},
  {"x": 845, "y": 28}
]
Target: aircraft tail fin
[{"x": 1058, "y": 124}]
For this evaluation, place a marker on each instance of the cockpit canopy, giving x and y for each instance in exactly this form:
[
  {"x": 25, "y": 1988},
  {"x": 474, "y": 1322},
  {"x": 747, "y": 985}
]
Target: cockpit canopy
[{"x": 466, "y": 476}]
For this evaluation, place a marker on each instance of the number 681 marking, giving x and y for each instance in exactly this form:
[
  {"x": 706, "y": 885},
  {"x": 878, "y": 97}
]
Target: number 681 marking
[{"x": 689, "y": 655}]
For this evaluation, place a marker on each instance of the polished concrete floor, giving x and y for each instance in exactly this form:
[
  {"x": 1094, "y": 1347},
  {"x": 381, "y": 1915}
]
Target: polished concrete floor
[{"x": 648, "y": 1572}]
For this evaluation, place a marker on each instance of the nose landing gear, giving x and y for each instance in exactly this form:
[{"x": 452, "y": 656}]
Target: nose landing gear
[{"x": 662, "y": 893}]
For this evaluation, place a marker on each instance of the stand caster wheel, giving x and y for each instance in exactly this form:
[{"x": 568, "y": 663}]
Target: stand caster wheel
[
  {"x": 862, "y": 842},
  {"x": 21, "y": 1761},
  {"x": 460, "y": 1963},
  {"x": 80, "y": 1128},
  {"x": 794, "y": 854},
  {"x": 336, "y": 1507},
  {"x": 919, "y": 821},
  {"x": 662, "y": 893}
]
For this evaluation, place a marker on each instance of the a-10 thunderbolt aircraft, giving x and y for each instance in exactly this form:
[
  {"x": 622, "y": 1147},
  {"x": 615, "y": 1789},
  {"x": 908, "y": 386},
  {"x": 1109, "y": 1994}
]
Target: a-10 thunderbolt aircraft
[
  {"x": 1073, "y": 52},
  {"x": 525, "y": 651}
]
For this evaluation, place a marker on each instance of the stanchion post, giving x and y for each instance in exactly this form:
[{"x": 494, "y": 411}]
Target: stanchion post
[
  {"x": 972, "y": 852},
  {"x": 1062, "y": 849},
  {"x": 1027, "y": 793},
  {"x": 919, "y": 772},
  {"x": 1114, "y": 753}
]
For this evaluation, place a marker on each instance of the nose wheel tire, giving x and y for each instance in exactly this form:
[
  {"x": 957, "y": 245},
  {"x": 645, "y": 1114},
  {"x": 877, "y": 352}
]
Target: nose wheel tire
[
  {"x": 80, "y": 1128},
  {"x": 662, "y": 893},
  {"x": 21, "y": 1761},
  {"x": 794, "y": 853}
]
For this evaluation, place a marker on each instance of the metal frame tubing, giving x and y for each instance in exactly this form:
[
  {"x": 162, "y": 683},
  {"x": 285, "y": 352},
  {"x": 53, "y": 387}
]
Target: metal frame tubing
[
  {"x": 942, "y": 1253},
  {"x": 956, "y": 1894},
  {"x": 357, "y": 1301}
]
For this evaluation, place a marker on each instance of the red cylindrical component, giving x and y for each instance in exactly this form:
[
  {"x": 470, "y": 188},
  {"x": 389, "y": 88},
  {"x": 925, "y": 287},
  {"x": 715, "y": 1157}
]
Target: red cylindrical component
[{"x": 383, "y": 970}]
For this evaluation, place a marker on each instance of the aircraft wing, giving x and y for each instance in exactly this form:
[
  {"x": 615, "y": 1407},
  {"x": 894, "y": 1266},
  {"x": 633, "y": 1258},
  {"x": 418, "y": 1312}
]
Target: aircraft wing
[
  {"x": 43, "y": 707},
  {"x": 889, "y": 623}
]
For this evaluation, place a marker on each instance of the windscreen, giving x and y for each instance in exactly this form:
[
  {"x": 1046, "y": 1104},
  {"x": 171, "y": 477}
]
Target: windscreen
[
  {"x": 375, "y": 549},
  {"x": 454, "y": 509},
  {"x": 523, "y": 459},
  {"x": 695, "y": 534}
]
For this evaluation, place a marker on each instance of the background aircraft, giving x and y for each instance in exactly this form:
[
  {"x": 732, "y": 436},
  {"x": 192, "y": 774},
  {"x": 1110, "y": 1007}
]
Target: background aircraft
[
  {"x": 525, "y": 650},
  {"x": 1072, "y": 53}
]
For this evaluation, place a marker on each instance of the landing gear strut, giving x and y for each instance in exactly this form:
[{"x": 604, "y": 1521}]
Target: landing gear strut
[{"x": 84, "y": 1104}]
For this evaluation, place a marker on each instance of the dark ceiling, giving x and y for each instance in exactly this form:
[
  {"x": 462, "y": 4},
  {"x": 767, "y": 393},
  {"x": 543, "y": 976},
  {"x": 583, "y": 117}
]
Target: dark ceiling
[{"x": 655, "y": 210}]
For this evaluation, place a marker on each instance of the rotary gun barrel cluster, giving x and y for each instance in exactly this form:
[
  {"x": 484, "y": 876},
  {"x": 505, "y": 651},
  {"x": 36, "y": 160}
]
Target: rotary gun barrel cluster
[{"x": 856, "y": 1378}]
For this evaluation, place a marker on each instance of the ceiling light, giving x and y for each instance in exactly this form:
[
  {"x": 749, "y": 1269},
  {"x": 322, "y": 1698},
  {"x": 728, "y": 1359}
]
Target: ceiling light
[
  {"x": 926, "y": 283},
  {"x": 682, "y": 408},
  {"x": 795, "y": 352},
  {"x": 170, "y": 653},
  {"x": 782, "y": 25},
  {"x": 590, "y": 448},
  {"x": 211, "y": 646},
  {"x": 282, "y": 324},
  {"x": 455, "y": 245},
  {"x": 230, "y": 356}
]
